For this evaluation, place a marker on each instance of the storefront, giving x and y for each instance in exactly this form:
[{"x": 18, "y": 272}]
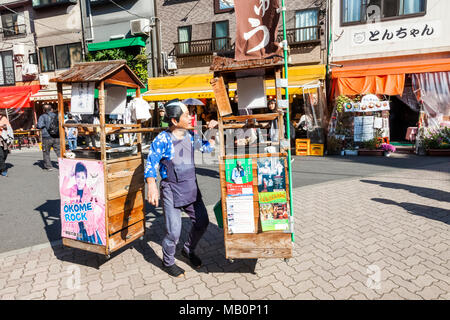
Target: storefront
[
  {"x": 16, "y": 102},
  {"x": 394, "y": 102}
]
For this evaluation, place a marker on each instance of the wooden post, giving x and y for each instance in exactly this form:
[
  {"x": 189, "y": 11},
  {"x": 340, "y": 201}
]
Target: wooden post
[
  {"x": 101, "y": 109},
  {"x": 62, "y": 134}
]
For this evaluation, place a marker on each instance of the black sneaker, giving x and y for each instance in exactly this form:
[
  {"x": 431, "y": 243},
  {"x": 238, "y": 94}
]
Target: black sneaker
[
  {"x": 193, "y": 259},
  {"x": 174, "y": 270}
]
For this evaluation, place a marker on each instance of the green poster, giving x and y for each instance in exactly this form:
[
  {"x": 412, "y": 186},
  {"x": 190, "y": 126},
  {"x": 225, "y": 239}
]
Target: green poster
[
  {"x": 239, "y": 176},
  {"x": 272, "y": 197}
]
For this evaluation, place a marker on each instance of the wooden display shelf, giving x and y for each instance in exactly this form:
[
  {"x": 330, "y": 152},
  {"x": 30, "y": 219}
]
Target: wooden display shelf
[{"x": 124, "y": 176}]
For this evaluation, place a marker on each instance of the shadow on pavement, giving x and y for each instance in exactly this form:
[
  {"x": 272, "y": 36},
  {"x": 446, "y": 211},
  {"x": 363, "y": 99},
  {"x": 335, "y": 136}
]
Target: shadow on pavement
[
  {"x": 434, "y": 194},
  {"x": 40, "y": 164},
  {"x": 213, "y": 260},
  {"x": 207, "y": 172},
  {"x": 428, "y": 212}
]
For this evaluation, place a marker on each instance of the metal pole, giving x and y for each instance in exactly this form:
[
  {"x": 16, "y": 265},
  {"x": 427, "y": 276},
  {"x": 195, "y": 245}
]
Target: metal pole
[{"x": 288, "y": 127}]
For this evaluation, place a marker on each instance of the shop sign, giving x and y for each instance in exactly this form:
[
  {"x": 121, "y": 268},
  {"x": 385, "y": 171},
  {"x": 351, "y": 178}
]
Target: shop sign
[
  {"x": 369, "y": 103},
  {"x": 381, "y": 34}
]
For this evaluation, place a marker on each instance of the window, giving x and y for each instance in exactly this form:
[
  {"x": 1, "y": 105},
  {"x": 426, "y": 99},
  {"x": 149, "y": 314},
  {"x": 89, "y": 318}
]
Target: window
[
  {"x": 32, "y": 58},
  {"x": 47, "y": 59},
  {"x": 359, "y": 11},
  {"x": 67, "y": 55},
  {"x": 220, "y": 32},
  {"x": 13, "y": 24},
  {"x": 7, "y": 76},
  {"x": 307, "y": 25},
  {"x": 46, "y": 3},
  {"x": 184, "y": 39}
]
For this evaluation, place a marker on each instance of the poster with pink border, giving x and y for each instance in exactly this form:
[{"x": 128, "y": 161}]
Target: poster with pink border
[{"x": 82, "y": 191}]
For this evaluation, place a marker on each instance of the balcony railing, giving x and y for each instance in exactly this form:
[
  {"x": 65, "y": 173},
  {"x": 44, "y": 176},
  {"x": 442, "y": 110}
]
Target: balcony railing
[
  {"x": 299, "y": 36},
  {"x": 14, "y": 30},
  {"x": 202, "y": 47}
]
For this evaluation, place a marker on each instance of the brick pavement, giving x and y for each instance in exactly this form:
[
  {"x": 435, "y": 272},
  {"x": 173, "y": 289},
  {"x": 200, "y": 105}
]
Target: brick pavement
[{"x": 380, "y": 237}]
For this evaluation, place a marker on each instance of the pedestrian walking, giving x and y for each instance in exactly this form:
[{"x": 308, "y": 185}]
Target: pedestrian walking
[
  {"x": 71, "y": 133},
  {"x": 173, "y": 151},
  {"x": 48, "y": 123},
  {"x": 6, "y": 140}
]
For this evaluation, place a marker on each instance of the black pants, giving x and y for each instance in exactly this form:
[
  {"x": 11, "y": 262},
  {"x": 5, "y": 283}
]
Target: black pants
[
  {"x": 3, "y": 156},
  {"x": 47, "y": 144}
]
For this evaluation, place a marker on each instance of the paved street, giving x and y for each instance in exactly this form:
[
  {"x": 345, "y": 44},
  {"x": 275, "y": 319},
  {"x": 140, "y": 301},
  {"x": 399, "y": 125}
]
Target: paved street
[{"x": 365, "y": 228}]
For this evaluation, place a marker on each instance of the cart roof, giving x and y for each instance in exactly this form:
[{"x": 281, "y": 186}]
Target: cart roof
[
  {"x": 231, "y": 69},
  {"x": 117, "y": 70}
]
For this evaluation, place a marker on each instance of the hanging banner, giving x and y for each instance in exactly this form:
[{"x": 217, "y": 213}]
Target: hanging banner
[
  {"x": 82, "y": 189},
  {"x": 256, "y": 29},
  {"x": 369, "y": 103}
]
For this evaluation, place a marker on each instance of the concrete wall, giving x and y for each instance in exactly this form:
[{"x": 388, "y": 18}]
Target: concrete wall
[
  {"x": 352, "y": 42},
  {"x": 7, "y": 43}
]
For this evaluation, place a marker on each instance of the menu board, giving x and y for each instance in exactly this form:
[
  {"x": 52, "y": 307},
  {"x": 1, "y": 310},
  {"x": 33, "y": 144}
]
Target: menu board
[{"x": 363, "y": 128}]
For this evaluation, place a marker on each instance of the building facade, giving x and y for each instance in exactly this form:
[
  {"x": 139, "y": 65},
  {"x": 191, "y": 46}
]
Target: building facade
[
  {"x": 126, "y": 24},
  {"x": 397, "y": 50},
  {"x": 194, "y": 30}
]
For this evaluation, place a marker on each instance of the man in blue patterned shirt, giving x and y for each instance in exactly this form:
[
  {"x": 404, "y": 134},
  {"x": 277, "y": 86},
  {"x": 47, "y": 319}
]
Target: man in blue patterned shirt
[{"x": 173, "y": 152}]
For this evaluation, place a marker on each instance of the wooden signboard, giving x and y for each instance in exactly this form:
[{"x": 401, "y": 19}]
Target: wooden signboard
[{"x": 221, "y": 94}]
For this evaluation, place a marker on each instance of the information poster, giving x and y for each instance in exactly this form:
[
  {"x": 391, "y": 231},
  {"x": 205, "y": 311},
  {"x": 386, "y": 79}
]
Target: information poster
[
  {"x": 273, "y": 211},
  {"x": 82, "y": 100},
  {"x": 239, "y": 177},
  {"x": 81, "y": 185},
  {"x": 271, "y": 174},
  {"x": 240, "y": 214}
]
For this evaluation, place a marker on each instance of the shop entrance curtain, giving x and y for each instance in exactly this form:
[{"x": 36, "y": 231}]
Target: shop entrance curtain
[
  {"x": 392, "y": 84},
  {"x": 434, "y": 88}
]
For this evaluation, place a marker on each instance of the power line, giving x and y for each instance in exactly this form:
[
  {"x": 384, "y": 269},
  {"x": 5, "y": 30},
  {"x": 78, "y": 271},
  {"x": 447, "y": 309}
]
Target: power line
[{"x": 121, "y": 7}]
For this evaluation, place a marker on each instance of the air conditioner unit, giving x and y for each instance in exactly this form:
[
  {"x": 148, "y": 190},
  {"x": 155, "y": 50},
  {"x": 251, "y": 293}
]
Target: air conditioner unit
[
  {"x": 140, "y": 26},
  {"x": 171, "y": 63},
  {"x": 19, "y": 49},
  {"x": 29, "y": 69}
]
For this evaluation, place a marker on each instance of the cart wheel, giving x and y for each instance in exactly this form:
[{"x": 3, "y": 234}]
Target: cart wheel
[
  {"x": 286, "y": 260},
  {"x": 108, "y": 257},
  {"x": 141, "y": 238},
  {"x": 230, "y": 260}
]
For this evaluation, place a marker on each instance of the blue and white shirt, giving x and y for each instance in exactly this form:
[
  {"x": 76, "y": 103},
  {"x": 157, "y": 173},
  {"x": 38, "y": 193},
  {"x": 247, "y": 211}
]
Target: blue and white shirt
[{"x": 162, "y": 148}]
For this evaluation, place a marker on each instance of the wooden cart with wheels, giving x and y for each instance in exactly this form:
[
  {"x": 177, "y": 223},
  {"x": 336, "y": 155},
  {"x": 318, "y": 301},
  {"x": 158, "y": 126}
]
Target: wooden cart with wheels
[
  {"x": 119, "y": 199},
  {"x": 257, "y": 243}
]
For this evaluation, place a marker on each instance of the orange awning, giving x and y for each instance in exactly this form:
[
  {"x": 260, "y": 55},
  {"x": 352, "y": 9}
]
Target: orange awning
[{"x": 386, "y": 78}]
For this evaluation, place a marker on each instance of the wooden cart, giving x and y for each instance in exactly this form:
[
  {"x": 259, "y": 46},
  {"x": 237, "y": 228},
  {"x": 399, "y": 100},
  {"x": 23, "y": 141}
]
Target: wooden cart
[
  {"x": 268, "y": 244},
  {"x": 123, "y": 177}
]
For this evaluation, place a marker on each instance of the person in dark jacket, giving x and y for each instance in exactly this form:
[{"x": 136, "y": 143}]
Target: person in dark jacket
[{"x": 48, "y": 141}]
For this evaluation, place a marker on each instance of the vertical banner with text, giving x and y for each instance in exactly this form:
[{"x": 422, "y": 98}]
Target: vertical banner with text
[{"x": 256, "y": 29}]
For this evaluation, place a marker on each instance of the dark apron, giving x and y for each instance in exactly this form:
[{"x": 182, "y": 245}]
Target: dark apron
[{"x": 181, "y": 172}]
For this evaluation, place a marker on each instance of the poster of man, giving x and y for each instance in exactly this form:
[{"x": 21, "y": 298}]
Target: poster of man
[
  {"x": 81, "y": 186},
  {"x": 239, "y": 176},
  {"x": 271, "y": 174}
]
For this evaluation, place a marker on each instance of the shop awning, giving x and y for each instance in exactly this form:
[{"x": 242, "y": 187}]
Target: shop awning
[
  {"x": 51, "y": 95},
  {"x": 120, "y": 43},
  {"x": 386, "y": 78},
  {"x": 198, "y": 85},
  {"x": 17, "y": 97}
]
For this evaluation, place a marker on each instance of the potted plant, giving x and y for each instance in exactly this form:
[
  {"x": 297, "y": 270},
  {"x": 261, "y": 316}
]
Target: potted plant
[
  {"x": 437, "y": 142},
  {"x": 371, "y": 148},
  {"x": 388, "y": 149},
  {"x": 350, "y": 149},
  {"x": 334, "y": 145}
]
